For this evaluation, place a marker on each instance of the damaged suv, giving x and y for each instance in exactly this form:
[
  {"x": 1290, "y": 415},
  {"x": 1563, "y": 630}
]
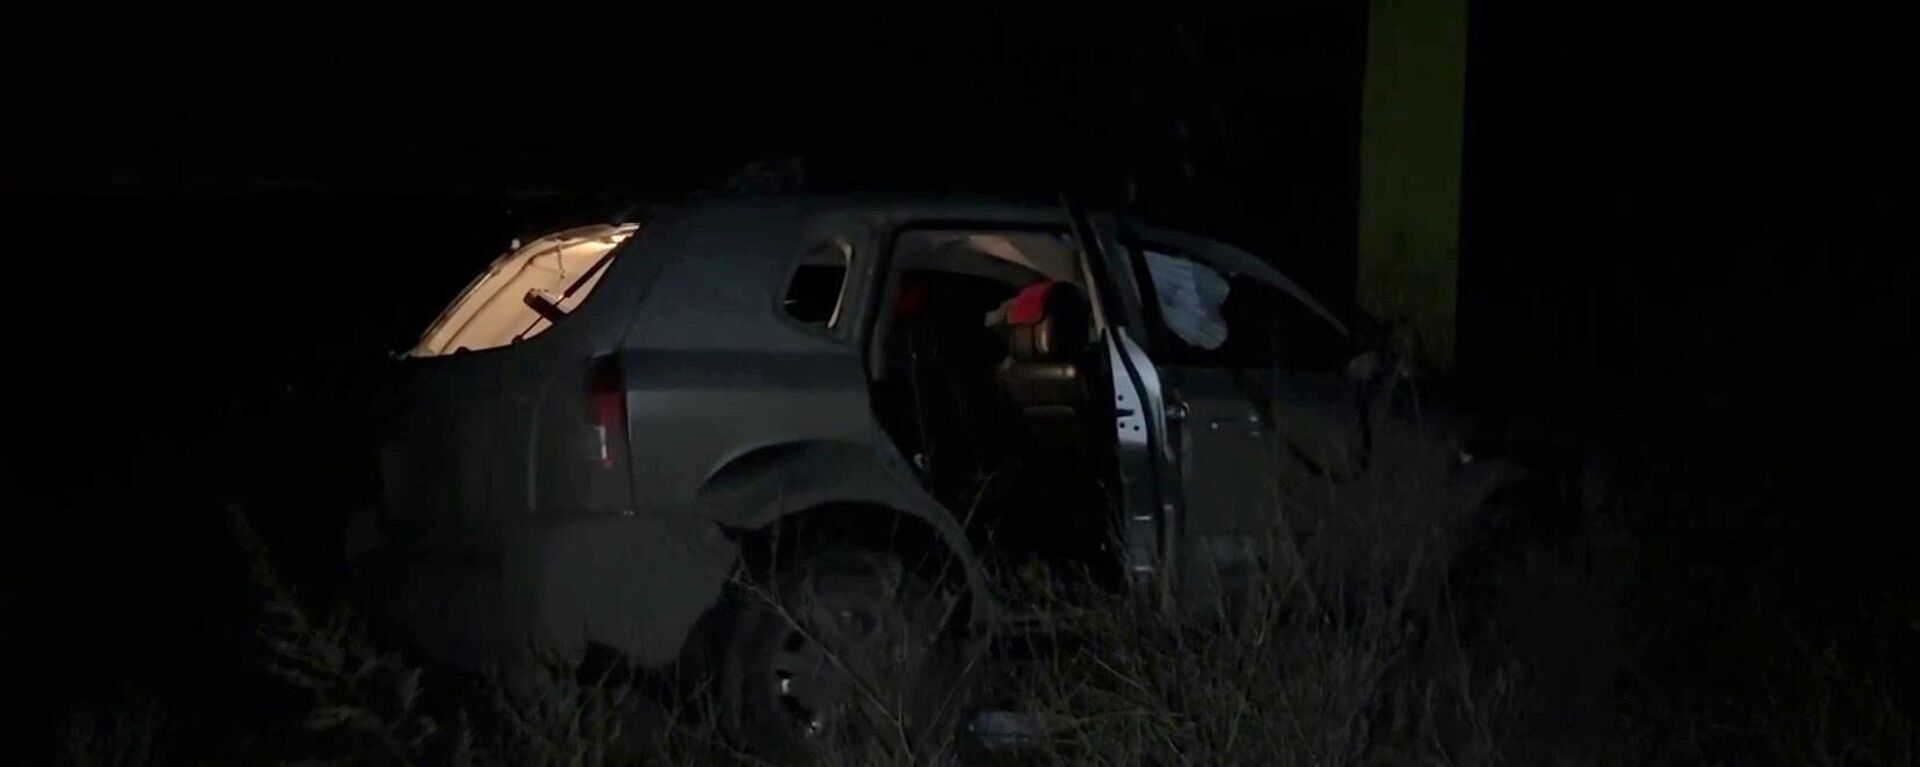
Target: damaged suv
[{"x": 794, "y": 436}]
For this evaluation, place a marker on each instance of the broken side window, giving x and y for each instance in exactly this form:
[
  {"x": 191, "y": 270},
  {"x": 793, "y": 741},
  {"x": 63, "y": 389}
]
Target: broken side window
[
  {"x": 1190, "y": 295},
  {"x": 1215, "y": 319},
  {"x": 817, "y": 290}
]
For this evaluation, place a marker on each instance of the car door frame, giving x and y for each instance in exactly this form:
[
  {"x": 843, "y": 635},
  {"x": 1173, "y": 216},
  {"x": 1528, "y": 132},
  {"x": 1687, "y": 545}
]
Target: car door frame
[{"x": 1151, "y": 496}]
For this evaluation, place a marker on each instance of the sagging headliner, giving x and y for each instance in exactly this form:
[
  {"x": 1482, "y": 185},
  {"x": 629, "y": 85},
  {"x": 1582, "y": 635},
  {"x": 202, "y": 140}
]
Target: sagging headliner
[{"x": 973, "y": 252}]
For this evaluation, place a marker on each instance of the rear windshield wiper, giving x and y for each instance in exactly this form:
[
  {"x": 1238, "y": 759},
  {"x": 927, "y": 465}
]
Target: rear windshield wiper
[{"x": 550, "y": 311}]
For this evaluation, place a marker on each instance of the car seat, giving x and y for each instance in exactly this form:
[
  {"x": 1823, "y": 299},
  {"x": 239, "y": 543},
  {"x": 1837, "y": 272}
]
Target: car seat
[{"x": 1047, "y": 331}]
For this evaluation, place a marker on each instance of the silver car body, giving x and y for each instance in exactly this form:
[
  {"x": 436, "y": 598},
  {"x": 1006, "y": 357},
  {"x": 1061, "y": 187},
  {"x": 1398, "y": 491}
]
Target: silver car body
[{"x": 501, "y": 525}]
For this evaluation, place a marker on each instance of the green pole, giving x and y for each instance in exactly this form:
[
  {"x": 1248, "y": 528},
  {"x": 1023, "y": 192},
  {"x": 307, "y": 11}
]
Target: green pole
[{"x": 1412, "y": 105}]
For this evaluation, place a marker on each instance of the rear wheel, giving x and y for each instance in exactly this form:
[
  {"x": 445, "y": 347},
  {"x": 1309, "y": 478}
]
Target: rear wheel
[{"x": 845, "y": 652}]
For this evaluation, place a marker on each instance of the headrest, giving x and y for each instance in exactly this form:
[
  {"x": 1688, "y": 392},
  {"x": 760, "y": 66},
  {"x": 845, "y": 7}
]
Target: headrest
[
  {"x": 1030, "y": 304},
  {"x": 1046, "y": 321}
]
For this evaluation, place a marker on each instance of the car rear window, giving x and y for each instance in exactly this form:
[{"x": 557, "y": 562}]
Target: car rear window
[{"x": 525, "y": 291}]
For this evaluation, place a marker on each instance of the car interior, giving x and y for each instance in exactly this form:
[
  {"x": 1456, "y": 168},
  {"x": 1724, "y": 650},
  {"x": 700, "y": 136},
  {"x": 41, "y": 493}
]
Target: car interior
[{"x": 986, "y": 374}]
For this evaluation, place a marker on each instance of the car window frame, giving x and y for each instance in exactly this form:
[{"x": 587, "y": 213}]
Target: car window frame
[
  {"x": 837, "y": 321},
  {"x": 874, "y": 290},
  {"x": 858, "y": 230},
  {"x": 1229, "y": 261}
]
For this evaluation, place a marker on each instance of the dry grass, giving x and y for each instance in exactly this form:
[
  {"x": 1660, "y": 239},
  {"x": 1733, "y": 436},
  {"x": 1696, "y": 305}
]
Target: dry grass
[
  {"x": 119, "y": 738},
  {"x": 1324, "y": 659},
  {"x": 368, "y": 704},
  {"x": 1339, "y": 650},
  {"x": 1312, "y": 664},
  {"x": 1276, "y": 679}
]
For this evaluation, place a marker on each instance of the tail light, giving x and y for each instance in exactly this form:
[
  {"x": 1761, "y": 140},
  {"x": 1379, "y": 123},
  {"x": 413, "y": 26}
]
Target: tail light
[{"x": 607, "y": 413}]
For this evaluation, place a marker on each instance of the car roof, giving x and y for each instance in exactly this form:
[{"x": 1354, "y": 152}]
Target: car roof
[{"x": 757, "y": 230}]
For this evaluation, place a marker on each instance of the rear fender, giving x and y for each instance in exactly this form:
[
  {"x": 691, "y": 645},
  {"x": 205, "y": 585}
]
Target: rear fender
[
  {"x": 641, "y": 583},
  {"x": 765, "y": 485}
]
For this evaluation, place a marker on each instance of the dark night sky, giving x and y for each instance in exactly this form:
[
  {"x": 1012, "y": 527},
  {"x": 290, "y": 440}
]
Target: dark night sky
[
  {"x": 1622, "y": 167},
  {"x": 651, "y": 108},
  {"x": 1606, "y": 147}
]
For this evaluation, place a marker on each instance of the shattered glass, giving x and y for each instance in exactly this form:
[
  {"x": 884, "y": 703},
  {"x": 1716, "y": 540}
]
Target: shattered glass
[{"x": 1190, "y": 295}]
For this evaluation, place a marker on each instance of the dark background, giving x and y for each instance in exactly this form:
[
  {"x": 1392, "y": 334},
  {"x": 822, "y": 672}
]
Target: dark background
[{"x": 1679, "y": 244}]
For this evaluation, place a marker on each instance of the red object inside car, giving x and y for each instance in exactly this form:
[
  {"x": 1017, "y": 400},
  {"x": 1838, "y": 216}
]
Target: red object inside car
[
  {"x": 912, "y": 297},
  {"x": 1029, "y": 306}
]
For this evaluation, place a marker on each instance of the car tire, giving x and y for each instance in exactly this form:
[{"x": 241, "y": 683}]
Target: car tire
[{"x": 845, "y": 653}]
